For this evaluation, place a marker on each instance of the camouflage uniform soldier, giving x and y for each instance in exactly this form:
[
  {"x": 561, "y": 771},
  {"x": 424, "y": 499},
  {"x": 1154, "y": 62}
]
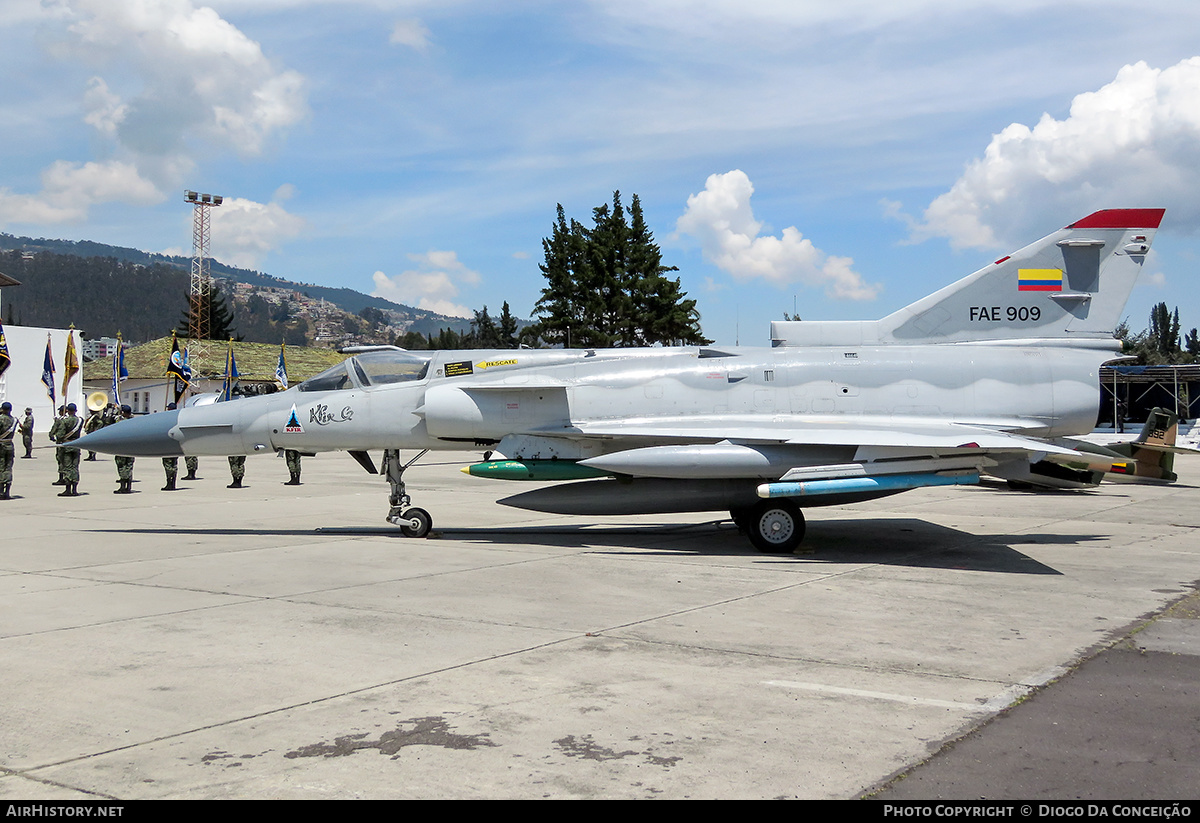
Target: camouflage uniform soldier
[
  {"x": 8, "y": 429},
  {"x": 59, "y": 453},
  {"x": 124, "y": 464},
  {"x": 66, "y": 429},
  {"x": 193, "y": 463},
  {"x": 293, "y": 465},
  {"x": 96, "y": 421},
  {"x": 170, "y": 464},
  {"x": 237, "y": 468},
  {"x": 27, "y": 434}
]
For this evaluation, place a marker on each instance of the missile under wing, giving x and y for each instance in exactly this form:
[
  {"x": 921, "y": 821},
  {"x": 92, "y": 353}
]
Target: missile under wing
[{"x": 990, "y": 375}]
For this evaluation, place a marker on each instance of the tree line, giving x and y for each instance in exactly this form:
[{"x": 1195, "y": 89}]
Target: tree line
[{"x": 1161, "y": 343}]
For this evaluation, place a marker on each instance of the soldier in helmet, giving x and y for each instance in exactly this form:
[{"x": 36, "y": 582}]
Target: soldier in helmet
[
  {"x": 66, "y": 429},
  {"x": 27, "y": 434},
  {"x": 59, "y": 415},
  {"x": 124, "y": 464},
  {"x": 8, "y": 430}
]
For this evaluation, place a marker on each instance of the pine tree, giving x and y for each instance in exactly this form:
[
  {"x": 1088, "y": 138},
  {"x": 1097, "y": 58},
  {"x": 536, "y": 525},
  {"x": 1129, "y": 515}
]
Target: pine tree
[
  {"x": 220, "y": 320},
  {"x": 484, "y": 333},
  {"x": 508, "y": 328},
  {"x": 1164, "y": 331},
  {"x": 606, "y": 286},
  {"x": 659, "y": 311},
  {"x": 567, "y": 274}
]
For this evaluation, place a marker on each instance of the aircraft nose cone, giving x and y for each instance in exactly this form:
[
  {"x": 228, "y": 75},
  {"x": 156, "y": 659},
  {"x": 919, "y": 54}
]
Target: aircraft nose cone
[{"x": 147, "y": 436}]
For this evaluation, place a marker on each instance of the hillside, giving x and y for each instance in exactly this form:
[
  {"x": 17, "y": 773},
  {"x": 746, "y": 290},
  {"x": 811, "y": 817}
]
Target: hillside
[{"x": 105, "y": 289}]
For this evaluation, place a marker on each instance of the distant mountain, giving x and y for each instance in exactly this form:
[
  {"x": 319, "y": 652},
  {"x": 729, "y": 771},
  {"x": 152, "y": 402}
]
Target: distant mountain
[
  {"x": 105, "y": 289},
  {"x": 345, "y": 299}
]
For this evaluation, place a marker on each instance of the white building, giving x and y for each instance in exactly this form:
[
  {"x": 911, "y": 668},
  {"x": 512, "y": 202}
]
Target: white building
[{"x": 21, "y": 384}]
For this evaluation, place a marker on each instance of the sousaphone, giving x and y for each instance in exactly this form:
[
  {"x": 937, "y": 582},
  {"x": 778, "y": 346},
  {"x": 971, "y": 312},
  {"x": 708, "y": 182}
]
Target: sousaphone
[{"x": 97, "y": 400}]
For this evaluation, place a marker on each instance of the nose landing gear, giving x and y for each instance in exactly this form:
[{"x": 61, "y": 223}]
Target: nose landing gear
[{"x": 413, "y": 522}]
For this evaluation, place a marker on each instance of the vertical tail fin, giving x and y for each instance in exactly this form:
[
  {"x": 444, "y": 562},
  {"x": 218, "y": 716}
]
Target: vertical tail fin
[
  {"x": 1160, "y": 429},
  {"x": 1071, "y": 284},
  {"x": 1152, "y": 453}
]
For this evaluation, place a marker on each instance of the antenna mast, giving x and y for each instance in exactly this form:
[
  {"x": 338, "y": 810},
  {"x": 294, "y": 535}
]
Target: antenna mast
[{"x": 199, "y": 291}]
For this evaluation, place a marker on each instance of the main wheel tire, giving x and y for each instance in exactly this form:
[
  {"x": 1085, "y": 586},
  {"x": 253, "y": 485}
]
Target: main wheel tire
[
  {"x": 417, "y": 523},
  {"x": 776, "y": 526}
]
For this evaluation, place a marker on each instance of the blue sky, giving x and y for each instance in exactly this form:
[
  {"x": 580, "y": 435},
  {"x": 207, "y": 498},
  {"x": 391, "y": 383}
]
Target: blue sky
[{"x": 836, "y": 161}]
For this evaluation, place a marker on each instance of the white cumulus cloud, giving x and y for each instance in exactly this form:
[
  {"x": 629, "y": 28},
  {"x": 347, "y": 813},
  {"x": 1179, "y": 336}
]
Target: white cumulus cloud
[
  {"x": 70, "y": 189},
  {"x": 244, "y": 231},
  {"x": 1133, "y": 143},
  {"x": 172, "y": 80},
  {"x": 177, "y": 72},
  {"x": 432, "y": 285},
  {"x": 721, "y": 219}
]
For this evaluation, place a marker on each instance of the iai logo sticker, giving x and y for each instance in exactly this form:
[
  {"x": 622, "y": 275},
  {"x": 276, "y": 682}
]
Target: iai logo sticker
[{"x": 293, "y": 425}]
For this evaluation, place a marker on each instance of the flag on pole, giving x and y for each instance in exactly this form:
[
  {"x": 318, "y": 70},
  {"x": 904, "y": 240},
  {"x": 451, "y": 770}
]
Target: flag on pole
[
  {"x": 231, "y": 374},
  {"x": 70, "y": 362},
  {"x": 119, "y": 371},
  {"x": 281, "y": 368},
  {"x": 4, "y": 357},
  {"x": 175, "y": 361},
  {"x": 186, "y": 370},
  {"x": 177, "y": 368},
  {"x": 48, "y": 372}
]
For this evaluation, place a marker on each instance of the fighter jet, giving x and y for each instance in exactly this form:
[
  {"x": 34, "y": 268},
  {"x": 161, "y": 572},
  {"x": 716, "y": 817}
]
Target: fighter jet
[
  {"x": 989, "y": 375},
  {"x": 1148, "y": 459}
]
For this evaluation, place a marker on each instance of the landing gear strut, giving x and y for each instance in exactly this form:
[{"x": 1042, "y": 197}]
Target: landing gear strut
[{"x": 412, "y": 522}]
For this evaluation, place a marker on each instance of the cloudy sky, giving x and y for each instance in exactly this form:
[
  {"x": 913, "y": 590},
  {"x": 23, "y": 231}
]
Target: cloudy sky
[{"x": 836, "y": 160}]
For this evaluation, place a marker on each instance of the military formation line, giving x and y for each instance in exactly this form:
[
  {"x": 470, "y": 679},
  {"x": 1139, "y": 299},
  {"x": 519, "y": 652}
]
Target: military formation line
[{"x": 68, "y": 427}]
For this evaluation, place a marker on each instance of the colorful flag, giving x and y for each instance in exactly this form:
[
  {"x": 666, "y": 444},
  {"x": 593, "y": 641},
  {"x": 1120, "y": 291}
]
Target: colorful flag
[
  {"x": 48, "y": 372},
  {"x": 175, "y": 361},
  {"x": 231, "y": 374},
  {"x": 281, "y": 368},
  {"x": 183, "y": 385},
  {"x": 1039, "y": 279},
  {"x": 119, "y": 371},
  {"x": 4, "y": 358},
  {"x": 70, "y": 362}
]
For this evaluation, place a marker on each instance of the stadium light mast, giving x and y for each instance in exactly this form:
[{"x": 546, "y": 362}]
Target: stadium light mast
[{"x": 199, "y": 327}]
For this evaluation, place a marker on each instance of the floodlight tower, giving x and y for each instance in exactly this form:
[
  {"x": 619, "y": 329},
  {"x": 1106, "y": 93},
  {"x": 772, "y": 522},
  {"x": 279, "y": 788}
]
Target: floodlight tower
[{"x": 201, "y": 284}]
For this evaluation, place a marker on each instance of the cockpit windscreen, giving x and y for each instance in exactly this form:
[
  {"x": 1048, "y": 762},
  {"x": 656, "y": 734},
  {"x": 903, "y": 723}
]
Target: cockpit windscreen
[{"x": 375, "y": 368}]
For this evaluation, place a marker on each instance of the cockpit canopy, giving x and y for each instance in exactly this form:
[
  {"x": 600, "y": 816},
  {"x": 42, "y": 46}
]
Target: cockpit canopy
[{"x": 376, "y": 368}]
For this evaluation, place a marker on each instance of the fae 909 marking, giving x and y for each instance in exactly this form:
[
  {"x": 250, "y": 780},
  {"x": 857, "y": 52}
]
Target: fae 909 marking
[{"x": 1023, "y": 314}]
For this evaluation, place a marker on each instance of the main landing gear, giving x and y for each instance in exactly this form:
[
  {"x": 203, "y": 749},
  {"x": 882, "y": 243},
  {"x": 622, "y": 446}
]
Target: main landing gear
[
  {"x": 413, "y": 522},
  {"x": 773, "y": 526}
]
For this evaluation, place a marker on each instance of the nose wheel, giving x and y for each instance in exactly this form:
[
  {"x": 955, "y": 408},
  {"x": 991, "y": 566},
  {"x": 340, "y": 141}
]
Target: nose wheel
[{"x": 413, "y": 522}]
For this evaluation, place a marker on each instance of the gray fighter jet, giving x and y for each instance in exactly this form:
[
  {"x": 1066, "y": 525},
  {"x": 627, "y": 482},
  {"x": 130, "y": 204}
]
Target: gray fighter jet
[{"x": 989, "y": 375}]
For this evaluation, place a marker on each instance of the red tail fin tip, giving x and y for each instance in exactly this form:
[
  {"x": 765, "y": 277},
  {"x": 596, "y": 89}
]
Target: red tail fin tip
[{"x": 1121, "y": 219}]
